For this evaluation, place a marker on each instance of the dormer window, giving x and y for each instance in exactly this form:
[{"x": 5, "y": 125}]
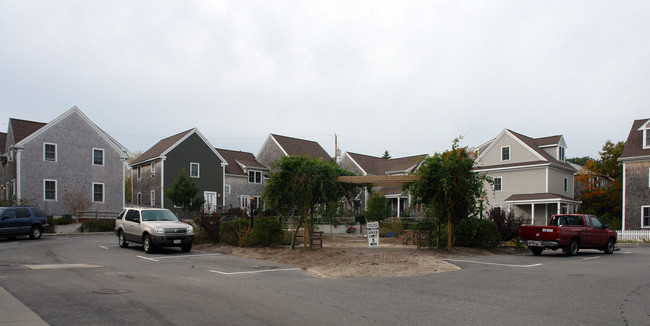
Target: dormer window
[
  {"x": 254, "y": 177},
  {"x": 646, "y": 138},
  {"x": 505, "y": 153},
  {"x": 560, "y": 154}
]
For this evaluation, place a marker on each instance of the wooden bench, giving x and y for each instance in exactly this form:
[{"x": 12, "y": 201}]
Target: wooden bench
[{"x": 315, "y": 238}]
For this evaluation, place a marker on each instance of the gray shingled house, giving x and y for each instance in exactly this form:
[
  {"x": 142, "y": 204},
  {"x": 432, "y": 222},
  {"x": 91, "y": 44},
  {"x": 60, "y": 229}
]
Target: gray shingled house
[
  {"x": 636, "y": 177},
  {"x": 42, "y": 164},
  {"x": 245, "y": 180},
  {"x": 188, "y": 152},
  {"x": 275, "y": 147},
  {"x": 531, "y": 175},
  {"x": 372, "y": 166}
]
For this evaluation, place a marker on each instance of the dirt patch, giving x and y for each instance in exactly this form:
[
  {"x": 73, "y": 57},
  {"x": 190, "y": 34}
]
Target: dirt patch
[{"x": 349, "y": 256}]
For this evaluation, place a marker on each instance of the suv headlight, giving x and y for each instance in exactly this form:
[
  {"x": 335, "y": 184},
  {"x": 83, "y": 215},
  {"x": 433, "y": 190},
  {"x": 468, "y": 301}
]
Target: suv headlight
[
  {"x": 158, "y": 230},
  {"x": 190, "y": 229}
]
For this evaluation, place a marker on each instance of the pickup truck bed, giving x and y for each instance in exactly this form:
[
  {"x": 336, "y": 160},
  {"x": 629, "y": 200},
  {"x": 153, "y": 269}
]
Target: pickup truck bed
[{"x": 569, "y": 232}]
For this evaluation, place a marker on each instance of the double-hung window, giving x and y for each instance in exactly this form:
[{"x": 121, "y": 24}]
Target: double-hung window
[
  {"x": 49, "y": 152},
  {"x": 98, "y": 192},
  {"x": 505, "y": 153},
  {"x": 49, "y": 190},
  {"x": 153, "y": 198},
  {"x": 498, "y": 184},
  {"x": 194, "y": 170},
  {"x": 98, "y": 156},
  {"x": 561, "y": 154},
  {"x": 153, "y": 169},
  {"x": 645, "y": 216},
  {"x": 566, "y": 184},
  {"x": 254, "y": 177}
]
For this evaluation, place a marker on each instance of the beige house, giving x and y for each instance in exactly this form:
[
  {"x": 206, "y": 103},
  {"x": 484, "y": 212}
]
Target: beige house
[{"x": 530, "y": 175}]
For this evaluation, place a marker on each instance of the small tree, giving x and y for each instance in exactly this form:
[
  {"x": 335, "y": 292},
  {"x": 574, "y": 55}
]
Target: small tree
[
  {"x": 184, "y": 194},
  {"x": 77, "y": 202},
  {"x": 378, "y": 208},
  {"x": 386, "y": 155}
]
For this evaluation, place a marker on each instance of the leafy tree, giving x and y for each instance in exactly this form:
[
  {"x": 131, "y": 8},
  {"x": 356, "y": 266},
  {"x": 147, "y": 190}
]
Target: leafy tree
[
  {"x": 386, "y": 155},
  {"x": 609, "y": 159},
  {"x": 299, "y": 186},
  {"x": 448, "y": 186},
  {"x": 378, "y": 208},
  {"x": 579, "y": 160},
  {"x": 184, "y": 193}
]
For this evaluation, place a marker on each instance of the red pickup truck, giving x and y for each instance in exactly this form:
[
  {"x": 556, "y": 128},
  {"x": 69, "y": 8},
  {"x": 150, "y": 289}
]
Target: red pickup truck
[{"x": 569, "y": 232}]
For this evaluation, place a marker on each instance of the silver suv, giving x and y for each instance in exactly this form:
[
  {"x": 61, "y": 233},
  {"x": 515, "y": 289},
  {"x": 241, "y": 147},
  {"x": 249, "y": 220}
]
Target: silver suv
[{"x": 153, "y": 227}]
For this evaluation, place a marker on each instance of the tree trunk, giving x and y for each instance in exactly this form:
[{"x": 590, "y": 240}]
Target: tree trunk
[
  {"x": 449, "y": 231},
  {"x": 305, "y": 233},
  {"x": 295, "y": 234}
]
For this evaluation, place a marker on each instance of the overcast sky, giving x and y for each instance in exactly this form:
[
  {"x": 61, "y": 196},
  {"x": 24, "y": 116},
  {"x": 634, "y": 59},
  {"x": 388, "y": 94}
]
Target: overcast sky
[{"x": 402, "y": 76}]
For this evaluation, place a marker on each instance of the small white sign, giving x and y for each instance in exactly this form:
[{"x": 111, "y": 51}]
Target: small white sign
[
  {"x": 373, "y": 225},
  {"x": 373, "y": 238}
]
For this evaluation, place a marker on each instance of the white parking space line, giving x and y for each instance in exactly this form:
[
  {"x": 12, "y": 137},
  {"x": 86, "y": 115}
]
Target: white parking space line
[
  {"x": 158, "y": 258},
  {"x": 104, "y": 247},
  {"x": 8, "y": 244},
  {"x": 256, "y": 272},
  {"x": 61, "y": 266},
  {"x": 588, "y": 258},
  {"x": 493, "y": 264}
]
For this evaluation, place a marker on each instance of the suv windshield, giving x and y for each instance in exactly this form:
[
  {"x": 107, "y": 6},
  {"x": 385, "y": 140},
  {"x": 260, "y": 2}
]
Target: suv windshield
[{"x": 158, "y": 215}]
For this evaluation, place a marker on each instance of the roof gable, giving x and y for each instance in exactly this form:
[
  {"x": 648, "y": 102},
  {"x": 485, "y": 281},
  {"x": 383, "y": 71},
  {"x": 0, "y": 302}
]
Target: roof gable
[
  {"x": 164, "y": 146},
  {"x": 3, "y": 142},
  {"x": 74, "y": 110},
  {"x": 299, "y": 147},
  {"x": 634, "y": 145},
  {"x": 238, "y": 161},
  {"x": 21, "y": 129}
]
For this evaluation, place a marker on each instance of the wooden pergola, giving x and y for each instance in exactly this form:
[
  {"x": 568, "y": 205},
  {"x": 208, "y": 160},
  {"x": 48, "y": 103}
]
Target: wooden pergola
[{"x": 379, "y": 180}]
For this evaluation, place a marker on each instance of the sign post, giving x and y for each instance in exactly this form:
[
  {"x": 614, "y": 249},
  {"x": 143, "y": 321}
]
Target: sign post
[{"x": 373, "y": 238}]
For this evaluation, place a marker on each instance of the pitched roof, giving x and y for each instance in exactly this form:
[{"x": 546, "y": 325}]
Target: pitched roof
[
  {"x": 3, "y": 142},
  {"x": 538, "y": 197},
  {"x": 238, "y": 160},
  {"x": 379, "y": 166},
  {"x": 23, "y": 128},
  {"x": 535, "y": 145},
  {"x": 161, "y": 147},
  {"x": 300, "y": 147},
  {"x": 634, "y": 144}
]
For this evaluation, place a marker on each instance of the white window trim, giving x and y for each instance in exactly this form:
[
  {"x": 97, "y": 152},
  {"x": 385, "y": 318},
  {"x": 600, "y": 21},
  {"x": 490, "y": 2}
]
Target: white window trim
[
  {"x": 138, "y": 199},
  {"x": 56, "y": 152},
  {"x": 138, "y": 173},
  {"x": 243, "y": 201},
  {"x": 493, "y": 186},
  {"x": 56, "y": 190},
  {"x": 645, "y": 138},
  {"x": 561, "y": 154},
  {"x": 103, "y": 192},
  {"x": 644, "y": 226},
  {"x": 566, "y": 184},
  {"x": 198, "y": 170},
  {"x": 153, "y": 169},
  {"x": 103, "y": 156},
  {"x": 226, "y": 189},
  {"x": 509, "y": 153},
  {"x": 153, "y": 198},
  {"x": 255, "y": 173}
]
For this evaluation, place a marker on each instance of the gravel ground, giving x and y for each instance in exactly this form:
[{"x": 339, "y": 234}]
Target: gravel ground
[{"x": 350, "y": 256}]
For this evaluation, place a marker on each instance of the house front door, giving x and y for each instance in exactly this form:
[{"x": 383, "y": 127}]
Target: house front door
[{"x": 210, "y": 201}]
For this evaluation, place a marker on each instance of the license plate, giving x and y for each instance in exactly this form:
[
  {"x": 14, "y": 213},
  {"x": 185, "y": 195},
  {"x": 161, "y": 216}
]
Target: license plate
[
  {"x": 177, "y": 241},
  {"x": 534, "y": 243}
]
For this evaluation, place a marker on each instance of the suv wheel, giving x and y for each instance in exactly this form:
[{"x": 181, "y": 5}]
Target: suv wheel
[
  {"x": 121, "y": 240},
  {"x": 186, "y": 248},
  {"x": 35, "y": 233},
  {"x": 146, "y": 242}
]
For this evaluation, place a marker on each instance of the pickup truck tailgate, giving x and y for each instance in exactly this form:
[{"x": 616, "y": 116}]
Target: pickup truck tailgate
[{"x": 538, "y": 232}]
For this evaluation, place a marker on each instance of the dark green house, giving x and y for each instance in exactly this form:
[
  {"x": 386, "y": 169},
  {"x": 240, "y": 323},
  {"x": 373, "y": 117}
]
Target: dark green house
[{"x": 188, "y": 152}]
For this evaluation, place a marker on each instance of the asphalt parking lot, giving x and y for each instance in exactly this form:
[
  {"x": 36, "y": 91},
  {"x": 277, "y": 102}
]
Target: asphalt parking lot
[{"x": 88, "y": 279}]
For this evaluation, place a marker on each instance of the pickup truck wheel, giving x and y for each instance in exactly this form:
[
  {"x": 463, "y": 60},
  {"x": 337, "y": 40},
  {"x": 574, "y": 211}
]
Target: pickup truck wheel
[
  {"x": 146, "y": 242},
  {"x": 121, "y": 240},
  {"x": 610, "y": 246},
  {"x": 537, "y": 251},
  {"x": 573, "y": 247},
  {"x": 35, "y": 233}
]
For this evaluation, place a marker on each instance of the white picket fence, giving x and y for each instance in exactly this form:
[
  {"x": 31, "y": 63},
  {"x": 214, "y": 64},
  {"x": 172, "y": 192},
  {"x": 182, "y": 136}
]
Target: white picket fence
[{"x": 633, "y": 235}]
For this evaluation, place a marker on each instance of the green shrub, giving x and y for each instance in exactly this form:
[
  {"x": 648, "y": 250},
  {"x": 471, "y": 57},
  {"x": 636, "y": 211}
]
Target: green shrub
[
  {"x": 474, "y": 232},
  {"x": 210, "y": 225},
  {"x": 236, "y": 233},
  {"x": 394, "y": 225},
  {"x": 98, "y": 225},
  {"x": 67, "y": 220},
  {"x": 266, "y": 232}
]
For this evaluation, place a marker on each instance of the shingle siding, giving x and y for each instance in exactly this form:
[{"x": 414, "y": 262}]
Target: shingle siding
[
  {"x": 637, "y": 192},
  {"x": 73, "y": 169}
]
